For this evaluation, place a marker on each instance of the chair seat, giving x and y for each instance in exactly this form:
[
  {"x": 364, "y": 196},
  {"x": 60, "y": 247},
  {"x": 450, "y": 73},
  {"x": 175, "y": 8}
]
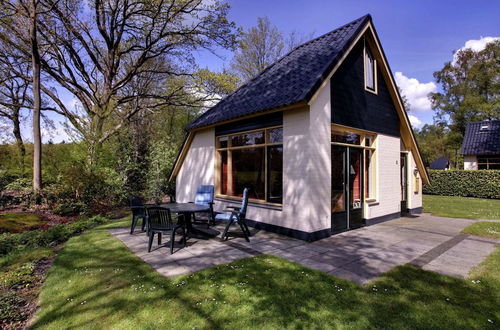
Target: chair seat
[
  {"x": 166, "y": 228},
  {"x": 223, "y": 216}
]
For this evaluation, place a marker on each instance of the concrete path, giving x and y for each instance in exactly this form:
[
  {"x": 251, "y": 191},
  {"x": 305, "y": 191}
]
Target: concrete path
[{"x": 360, "y": 255}]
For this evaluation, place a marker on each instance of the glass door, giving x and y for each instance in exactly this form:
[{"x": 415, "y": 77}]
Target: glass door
[
  {"x": 355, "y": 188},
  {"x": 339, "y": 194},
  {"x": 347, "y": 188}
]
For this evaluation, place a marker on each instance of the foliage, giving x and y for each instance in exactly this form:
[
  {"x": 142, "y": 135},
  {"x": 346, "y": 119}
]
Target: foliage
[
  {"x": 481, "y": 183},
  {"x": 22, "y": 184},
  {"x": 42, "y": 238},
  {"x": 483, "y": 228},
  {"x": 434, "y": 142},
  {"x": 260, "y": 46},
  {"x": 161, "y": 160},
  {"x": 95, "y": 277},
  {"x": 462, "y": 207},
  {"x": 471, "y": 88}
]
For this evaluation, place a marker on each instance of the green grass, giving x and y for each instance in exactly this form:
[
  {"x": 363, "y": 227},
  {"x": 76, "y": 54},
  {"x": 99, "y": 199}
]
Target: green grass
[
  {"x": 19, "y": 222},
  {"x": 483, "y": 228},
  {"x": 96, "y": 282},
  {"x": 462, "y": 207}
]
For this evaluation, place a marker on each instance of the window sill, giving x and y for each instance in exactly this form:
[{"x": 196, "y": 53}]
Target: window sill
[
  {"x": 263, "y": 205},
  {"x": 372, "y": 202}
]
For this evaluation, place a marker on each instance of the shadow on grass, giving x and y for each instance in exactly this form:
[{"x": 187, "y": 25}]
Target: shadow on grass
[{"x": 97, "y": 282}]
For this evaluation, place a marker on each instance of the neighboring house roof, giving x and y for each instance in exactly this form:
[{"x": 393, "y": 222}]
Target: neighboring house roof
[
  {"x": 292, "y": 79},
  {"x": 440, "y": 164},
  {"x": 482, "y": 138}
]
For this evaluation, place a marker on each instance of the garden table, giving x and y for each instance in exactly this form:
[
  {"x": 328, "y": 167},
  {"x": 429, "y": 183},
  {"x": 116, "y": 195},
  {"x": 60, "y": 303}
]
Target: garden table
[{"x": 186, "y": 210}]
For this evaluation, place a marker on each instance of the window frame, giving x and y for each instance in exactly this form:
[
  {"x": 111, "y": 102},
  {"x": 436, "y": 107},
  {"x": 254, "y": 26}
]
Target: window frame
[
  {"x": 372, "y": 195},
  {"x": 367, "y": 52},
  {"x": 487, "y": 160},
  {"x": 229, "y": 148}
]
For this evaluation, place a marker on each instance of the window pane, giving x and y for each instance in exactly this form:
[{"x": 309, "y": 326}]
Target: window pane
[
  {"x": 248, "y": 172},
  {"x": 275, "y": 174},
  {"x": 369, "y": 71},
  {"x": 223, "y": 174},
  {"x": 345, "y": 137},
  {"x": 247, "y": 139},
  {"x": 222, "y": 142},
  {"x": 276, "y": 135}
]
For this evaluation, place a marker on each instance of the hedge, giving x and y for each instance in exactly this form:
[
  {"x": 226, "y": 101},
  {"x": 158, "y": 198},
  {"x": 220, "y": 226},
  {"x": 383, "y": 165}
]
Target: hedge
[
  {"x": 42, "y": 238},
  {"x": 480, "y": 183}
]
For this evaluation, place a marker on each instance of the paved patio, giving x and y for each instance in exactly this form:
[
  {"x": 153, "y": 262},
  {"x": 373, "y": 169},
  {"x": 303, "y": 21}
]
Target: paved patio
[{"x": 360, "y": 255}]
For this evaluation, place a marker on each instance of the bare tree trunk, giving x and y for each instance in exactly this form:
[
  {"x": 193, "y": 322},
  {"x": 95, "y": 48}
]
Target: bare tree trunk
[
  {"x": 20, "y": 143},
  {"x": 37, "y": 138}
]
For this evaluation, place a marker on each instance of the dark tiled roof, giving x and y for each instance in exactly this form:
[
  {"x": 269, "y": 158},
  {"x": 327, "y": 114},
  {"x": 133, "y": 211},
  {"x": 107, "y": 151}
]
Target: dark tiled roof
[
  {"x": 440, "y": 164},
  {"x": 292, "y": 79},
  {"x": 482, "y": 138}
]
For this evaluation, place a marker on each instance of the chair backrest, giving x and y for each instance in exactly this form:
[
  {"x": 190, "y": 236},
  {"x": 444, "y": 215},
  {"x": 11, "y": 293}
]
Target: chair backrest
[
  {"x": 204, "y": 195},
  {"x": 159, "y": 218},
  {"x": 244, "y": 204},
  {"x": 135, "y": 201}
]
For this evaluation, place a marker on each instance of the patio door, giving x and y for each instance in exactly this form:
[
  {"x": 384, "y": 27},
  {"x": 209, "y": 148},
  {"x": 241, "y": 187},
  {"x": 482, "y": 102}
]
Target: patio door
[{"x": 347, "y": 188}]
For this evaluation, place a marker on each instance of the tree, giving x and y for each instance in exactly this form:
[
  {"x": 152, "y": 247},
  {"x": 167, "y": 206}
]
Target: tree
[
  {"x": 15, "y": 94},
  {"x": 470, "y": 88},
  {"x": 260, "y": 46},
  {"x": 117, "y": 58}
]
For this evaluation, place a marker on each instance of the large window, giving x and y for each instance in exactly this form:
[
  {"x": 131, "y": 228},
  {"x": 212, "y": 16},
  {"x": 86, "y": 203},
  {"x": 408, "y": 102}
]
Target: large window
[
  {"x": 488, "y": 162},
  {"x": 366, "y": 141},
  {"x": 370, "y": 71},
  {"x": 252, "y": 160}
]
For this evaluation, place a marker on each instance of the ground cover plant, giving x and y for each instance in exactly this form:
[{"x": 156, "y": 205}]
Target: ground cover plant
[
  {"x": 462, "y": 207},
  {"x": 97, "y": 281},
  {"x": 18, "y": 222}
]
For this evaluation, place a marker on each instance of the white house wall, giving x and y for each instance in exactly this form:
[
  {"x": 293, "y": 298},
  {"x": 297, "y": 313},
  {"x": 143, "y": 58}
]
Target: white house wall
[
  {"x": 198, "y": 166},
  {"x": 414, "y": 198},
  {"x": 470, "y": 162},
  {"x": 388, "y": 178}
]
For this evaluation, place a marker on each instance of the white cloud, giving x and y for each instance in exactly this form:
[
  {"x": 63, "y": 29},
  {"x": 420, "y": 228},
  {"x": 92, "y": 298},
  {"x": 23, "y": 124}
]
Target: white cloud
[
  {"x": 416, "y": 92},
  {"x": 479, "y": 44},
  {"x": 415, "y": 122}
]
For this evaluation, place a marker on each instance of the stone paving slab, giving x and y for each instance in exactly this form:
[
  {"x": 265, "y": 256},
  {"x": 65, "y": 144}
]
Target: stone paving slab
[{"x": 359, "y": 255}]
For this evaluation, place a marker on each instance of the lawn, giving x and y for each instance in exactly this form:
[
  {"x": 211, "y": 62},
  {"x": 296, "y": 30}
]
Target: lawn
[
  {"x": 483, "y": 228},
  {"x": 96, "y": 282},
  {"x": 462, "y": 207}
]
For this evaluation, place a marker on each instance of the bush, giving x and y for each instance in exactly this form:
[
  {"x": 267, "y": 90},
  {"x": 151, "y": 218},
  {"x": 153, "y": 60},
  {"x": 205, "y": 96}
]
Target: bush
[
  {"x": 480, "y": 183},
  {"x": 42, "y": 238},
  {"x": 22, "y": 184}
]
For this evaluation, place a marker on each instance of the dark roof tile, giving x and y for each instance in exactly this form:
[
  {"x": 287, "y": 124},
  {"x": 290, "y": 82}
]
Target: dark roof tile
[
  {"x": 482, "y": 138},
  {"x": 292, "y": 79}
]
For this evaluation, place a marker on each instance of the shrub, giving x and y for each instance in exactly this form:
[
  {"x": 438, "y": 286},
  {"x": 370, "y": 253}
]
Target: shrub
[
  {"x": 22, "y": 184},
  {"x": 480, "y": 183},
  {"x": 43, "y": 238}
]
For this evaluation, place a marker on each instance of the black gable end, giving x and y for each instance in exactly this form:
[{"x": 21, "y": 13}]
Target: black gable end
[{"x": 353, "y": 106}]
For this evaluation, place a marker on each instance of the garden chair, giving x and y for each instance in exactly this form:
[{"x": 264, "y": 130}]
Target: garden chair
[
  {"x": 138, "y": 212},
  {"x": 205, "y": 196},
  {"x": 160, "y": 222},
  {"x": 236, "y": 215}
]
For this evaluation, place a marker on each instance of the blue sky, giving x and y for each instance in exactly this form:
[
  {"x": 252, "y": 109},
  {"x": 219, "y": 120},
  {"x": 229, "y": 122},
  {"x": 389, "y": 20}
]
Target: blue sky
[{"x": 417, "y": 36}]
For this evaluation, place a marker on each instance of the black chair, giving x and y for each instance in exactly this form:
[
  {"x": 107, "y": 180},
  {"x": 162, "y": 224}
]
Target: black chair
[
  {"x": 236, "y": 214},
  {"x": 160, "y": 222},
  {"x": 138, "y": 212},
  {"x": 205, "y": 196}
]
